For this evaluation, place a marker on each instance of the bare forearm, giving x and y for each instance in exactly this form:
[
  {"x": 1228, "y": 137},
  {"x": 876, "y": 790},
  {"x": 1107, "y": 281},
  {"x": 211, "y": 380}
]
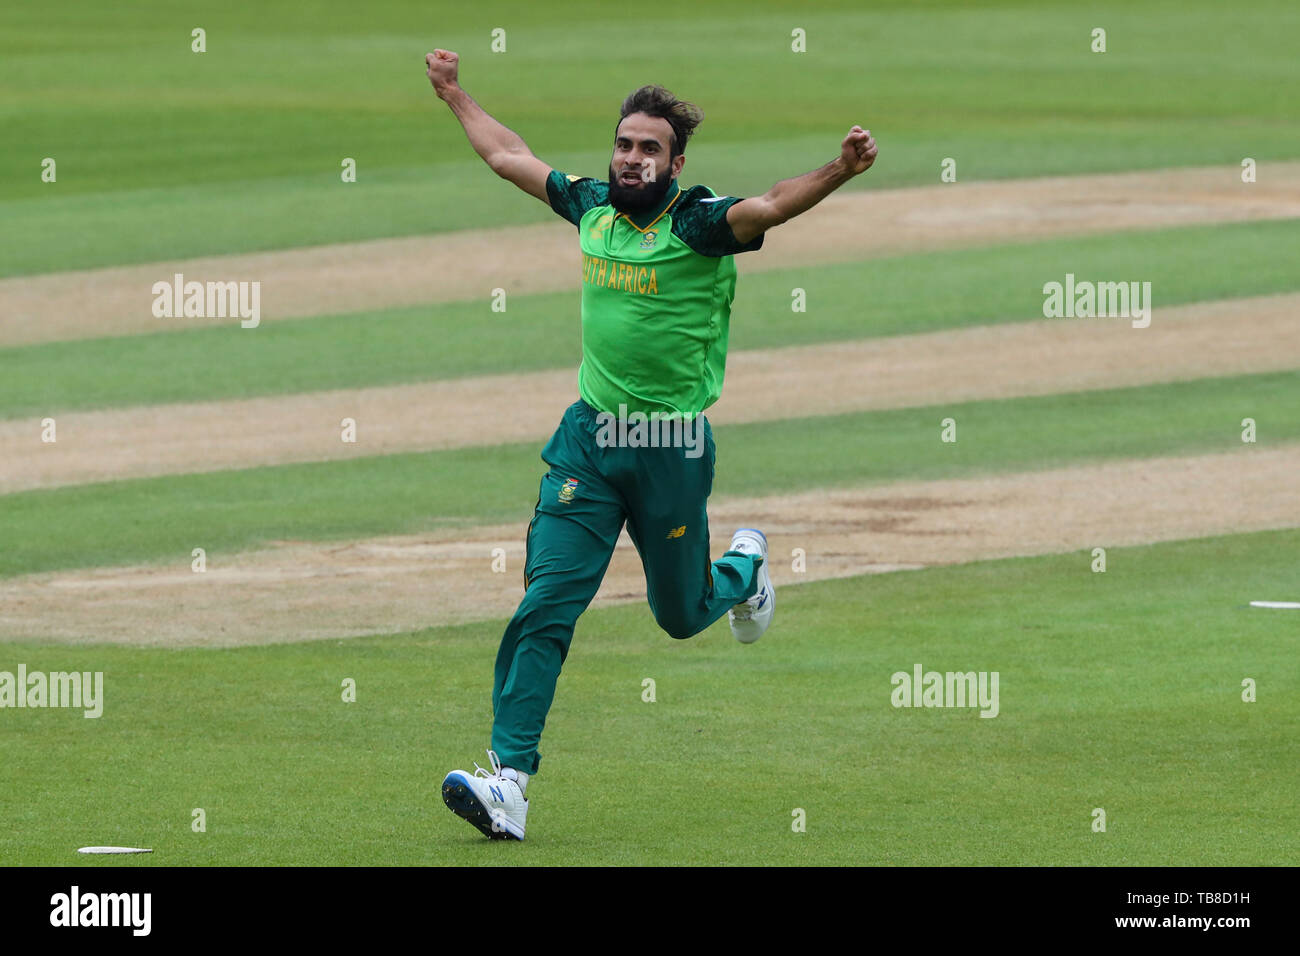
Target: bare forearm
[
  {"x": 489, "y": 138},
  {"x": 790, "y": 197},
  {"x": 500, "y": 147}
]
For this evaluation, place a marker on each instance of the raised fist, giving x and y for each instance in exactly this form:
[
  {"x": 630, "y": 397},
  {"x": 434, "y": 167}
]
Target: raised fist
[
  {"x": 858, "y": 150},
  {"x": 443, "y": 66}
]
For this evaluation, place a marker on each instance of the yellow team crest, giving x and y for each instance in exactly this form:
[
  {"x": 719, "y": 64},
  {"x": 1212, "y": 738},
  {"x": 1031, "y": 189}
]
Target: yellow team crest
[
  {"x": 603, "y": 223},
  {"x": 676, "y": 532},
  {"x": 566, "y": 492}
]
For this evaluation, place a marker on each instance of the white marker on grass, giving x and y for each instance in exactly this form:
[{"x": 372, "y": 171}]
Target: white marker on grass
[{"x": 113, "y": 849}]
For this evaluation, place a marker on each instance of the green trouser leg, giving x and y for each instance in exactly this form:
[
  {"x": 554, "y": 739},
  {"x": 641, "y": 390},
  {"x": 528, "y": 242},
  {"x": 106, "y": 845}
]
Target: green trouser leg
[
  {"x": 667, "y": 489},
  {"x": 585, "y": 498}
]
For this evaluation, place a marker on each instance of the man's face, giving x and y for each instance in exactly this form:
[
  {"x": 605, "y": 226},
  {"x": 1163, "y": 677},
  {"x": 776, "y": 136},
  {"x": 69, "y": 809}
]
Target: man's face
[{"x": 640, "y": 171}]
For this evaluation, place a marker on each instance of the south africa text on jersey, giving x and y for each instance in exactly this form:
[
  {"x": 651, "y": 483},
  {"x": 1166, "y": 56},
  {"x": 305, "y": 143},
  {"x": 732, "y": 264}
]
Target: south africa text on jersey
[{"x": 619, "y": 275}]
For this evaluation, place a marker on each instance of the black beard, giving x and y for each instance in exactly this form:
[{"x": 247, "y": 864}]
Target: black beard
[{"x": 635, "y": 199}]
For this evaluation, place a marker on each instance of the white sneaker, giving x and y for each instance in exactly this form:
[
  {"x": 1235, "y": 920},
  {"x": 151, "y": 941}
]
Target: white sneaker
[
  {"x": 493, "y": 803},
  {"x": 750, "y": 619}
]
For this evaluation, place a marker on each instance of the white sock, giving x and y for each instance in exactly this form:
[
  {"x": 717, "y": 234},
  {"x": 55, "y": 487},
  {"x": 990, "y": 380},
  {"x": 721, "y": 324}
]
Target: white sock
[{"x": 510, "y": 773}]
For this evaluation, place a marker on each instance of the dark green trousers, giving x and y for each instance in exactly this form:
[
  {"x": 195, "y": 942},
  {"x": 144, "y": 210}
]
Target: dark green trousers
[{"x": 588, "y": 494}]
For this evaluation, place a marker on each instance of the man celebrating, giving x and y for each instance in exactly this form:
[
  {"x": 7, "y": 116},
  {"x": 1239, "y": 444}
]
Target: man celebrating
[{"x": 658, "y": 280}]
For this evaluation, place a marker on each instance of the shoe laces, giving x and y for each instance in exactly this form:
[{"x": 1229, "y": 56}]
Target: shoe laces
[{"x": 493, "y": 762}]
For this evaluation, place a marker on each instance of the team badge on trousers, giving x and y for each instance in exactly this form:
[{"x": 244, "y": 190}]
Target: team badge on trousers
[{"x": 566, "y": 493}]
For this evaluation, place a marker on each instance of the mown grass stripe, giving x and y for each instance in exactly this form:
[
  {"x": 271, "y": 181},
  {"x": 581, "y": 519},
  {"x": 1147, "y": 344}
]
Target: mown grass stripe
[
  {"x": 173, "y": 154},
  {"x": 157, "y": 519},
  {"x": 913, "y": 293}
]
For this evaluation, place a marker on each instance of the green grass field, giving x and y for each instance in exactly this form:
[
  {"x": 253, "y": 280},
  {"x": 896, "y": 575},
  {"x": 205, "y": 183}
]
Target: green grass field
[
  {"x": 163, "y": 138},
  {"x": 1120, "y": 691}
]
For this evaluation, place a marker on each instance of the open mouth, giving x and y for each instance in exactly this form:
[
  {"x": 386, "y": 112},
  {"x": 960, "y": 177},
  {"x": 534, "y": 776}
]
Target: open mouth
[{"x": 630, "y": 178}]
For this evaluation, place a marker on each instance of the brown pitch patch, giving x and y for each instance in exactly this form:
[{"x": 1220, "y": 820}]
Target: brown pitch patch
[
  {"x": 1019, "y": 359},
  {"x": 307, "y": 591},
  {"x": 467, "y": 265}
]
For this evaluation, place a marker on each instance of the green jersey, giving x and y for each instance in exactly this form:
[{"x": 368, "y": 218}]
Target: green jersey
[{"x": 657, "y": 289}]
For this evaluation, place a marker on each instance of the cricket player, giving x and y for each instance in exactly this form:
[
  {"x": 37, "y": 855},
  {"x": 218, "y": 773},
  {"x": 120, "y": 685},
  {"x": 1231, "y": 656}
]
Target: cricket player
[{"x": 658, "y": 279}]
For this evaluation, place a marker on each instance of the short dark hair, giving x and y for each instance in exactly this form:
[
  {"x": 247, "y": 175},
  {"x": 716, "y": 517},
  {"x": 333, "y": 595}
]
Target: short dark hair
[{"x": 656, "y": 101}]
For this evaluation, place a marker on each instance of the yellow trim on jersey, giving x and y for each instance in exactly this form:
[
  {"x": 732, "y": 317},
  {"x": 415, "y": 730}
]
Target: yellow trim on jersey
[{"x": 656, "y": 219}]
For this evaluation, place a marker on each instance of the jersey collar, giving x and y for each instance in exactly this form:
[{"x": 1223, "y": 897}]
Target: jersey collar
[{"x": 643, "y": 221}]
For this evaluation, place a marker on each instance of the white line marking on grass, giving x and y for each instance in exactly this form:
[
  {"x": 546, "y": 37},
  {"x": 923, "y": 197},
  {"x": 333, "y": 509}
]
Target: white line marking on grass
[{"x": 113, "y": 849}]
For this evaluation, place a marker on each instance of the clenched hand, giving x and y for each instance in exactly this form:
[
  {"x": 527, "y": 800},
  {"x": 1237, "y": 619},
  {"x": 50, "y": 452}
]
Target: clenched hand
[
  {"x": 442, "y": 67},
  {"x": 858, "y": 151}
]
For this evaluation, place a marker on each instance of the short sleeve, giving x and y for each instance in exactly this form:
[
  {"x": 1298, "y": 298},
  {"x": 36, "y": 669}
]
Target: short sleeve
[
  {"x": 703, "y": 226},
  {"x": 571, "y": 196}
]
